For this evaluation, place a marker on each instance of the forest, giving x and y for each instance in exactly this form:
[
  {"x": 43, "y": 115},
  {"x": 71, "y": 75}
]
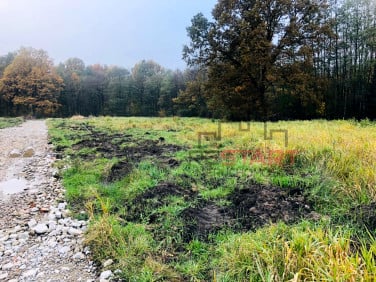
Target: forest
[{"x": 254, "y": 60}]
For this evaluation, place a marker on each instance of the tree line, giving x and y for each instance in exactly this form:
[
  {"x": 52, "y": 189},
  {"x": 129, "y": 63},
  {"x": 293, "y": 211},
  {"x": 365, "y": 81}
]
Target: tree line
[
  {"x": 256, "y": 59},
  {"x": 31, "y": 85}
]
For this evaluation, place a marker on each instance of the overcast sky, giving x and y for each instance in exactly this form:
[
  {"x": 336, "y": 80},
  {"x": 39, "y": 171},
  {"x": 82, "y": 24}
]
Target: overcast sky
[{"x": 112, "y": 32}]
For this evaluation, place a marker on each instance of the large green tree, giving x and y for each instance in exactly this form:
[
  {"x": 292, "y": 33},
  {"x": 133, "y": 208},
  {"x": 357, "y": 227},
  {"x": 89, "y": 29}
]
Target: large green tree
[
  {"x": 30, "y": 83},
  {"x": 248, "y": 45}
]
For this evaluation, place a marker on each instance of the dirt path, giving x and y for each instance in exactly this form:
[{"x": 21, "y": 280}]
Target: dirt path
[{"x": 38, "y": 239}]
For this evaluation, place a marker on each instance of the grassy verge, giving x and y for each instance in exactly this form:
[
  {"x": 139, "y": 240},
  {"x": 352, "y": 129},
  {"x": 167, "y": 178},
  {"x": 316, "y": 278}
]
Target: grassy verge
[
  {"x": 9, "y": 122},
  {"x": 238, "y": 208}
]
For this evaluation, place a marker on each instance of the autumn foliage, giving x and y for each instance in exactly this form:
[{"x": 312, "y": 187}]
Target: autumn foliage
[
  {"x": 30, "y": 84},
  {"x": 253, "y": 60}
]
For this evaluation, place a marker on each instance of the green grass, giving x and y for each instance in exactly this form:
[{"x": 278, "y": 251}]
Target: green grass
[
  {"x": 300, "y": 252},
  {"x": 9, "y": 122},
  {"x": 333, "y": 165}
]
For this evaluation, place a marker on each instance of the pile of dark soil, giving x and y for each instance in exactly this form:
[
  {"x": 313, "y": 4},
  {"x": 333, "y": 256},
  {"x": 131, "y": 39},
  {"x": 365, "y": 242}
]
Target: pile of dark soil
[
  {"x": 133, "y": 148},
  {"x": 205, "y": 219},
  {"x": 144, "y": 205},
  {"x": 119, "y": 170},
  {"x": 364, "y": 216},
  {"x": 126, "y": 147},
  {"x": 257, "y": 205},
  {"x": 250, "y": 208}
]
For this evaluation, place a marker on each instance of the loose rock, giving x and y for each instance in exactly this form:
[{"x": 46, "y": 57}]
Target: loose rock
[
  {"x": 15, "y": 153},
  {"x": 106, "y": 274},
  {"x": 34, "y": 246},
  {"x": 29, "y": 152},
  {"x": 32, "y": 222},
  {"x": 30, "y": 273},
  {"x": 107, "y": 263},
  {"x": 40, "y": 228},
  {"x": 3, "y": 275}
]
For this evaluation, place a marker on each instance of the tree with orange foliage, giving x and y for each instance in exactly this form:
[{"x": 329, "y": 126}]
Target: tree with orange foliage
[{"x": 30, "y": 84}]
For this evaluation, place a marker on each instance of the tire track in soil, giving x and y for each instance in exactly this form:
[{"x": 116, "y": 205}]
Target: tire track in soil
[{"x": 38, "y": 239}]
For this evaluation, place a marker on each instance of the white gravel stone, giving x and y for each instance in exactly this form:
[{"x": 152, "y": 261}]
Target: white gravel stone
[
  {"x": 30, "y": 273},
  {"x": 52, "y": 225},
  {"x": 32, "y": 222},
  {"x": 79, "y": 256},
  {"x": 23, "y": 236},
  {"x": 58, "y": 215},
  {"x": 16, "y": 229},
  {"x": 40, "y": 228},
  {"x": 63, "y": 250},
  {"x": 3, "y": 275},
  {"x": 52, "y": 244},
  {"x": 106, "y": 274},
  {"x": 13, "y": 236},
  {"x": 107, "y": 263},
  {"x": 51, "y": 216},
  {"x": 61, "y": 206},
  {"x": 74, "y": 231},
  {"x": 7, "y": 266},
  {"x": 76, "y": 224}
]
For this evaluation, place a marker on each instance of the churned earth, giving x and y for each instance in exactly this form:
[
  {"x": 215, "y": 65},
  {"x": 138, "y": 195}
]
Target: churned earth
[{"x": 38, "y": 239}]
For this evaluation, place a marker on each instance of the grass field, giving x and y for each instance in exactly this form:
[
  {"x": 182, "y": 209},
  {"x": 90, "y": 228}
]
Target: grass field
[
  {"x": 9, "y": 122},
  {"x": 237, "y": 208}
]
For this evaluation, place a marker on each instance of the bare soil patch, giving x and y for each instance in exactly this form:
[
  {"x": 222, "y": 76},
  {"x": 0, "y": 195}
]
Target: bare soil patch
[
  {"x": 129, "y": 149},
  {"x": 251, "y": 207},
  {"x": 364, "y": 215}
]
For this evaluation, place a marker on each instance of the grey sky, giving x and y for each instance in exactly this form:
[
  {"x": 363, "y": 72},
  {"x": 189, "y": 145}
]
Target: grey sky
[{"x": 112, "y": 32}]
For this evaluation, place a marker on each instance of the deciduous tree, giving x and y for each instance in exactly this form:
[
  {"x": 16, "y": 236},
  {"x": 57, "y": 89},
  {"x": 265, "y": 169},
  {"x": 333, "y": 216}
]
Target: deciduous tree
[
  {"x": 246, "y": 45},
  {"x": 31, "y": 84}
]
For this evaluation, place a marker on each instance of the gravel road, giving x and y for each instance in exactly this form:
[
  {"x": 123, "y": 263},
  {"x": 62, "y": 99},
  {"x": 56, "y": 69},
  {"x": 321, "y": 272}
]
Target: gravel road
[{"x": 38, "y": 239}]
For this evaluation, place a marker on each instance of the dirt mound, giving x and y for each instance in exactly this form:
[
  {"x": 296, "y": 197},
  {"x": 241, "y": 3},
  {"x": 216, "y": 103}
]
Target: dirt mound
[
  {"x": 364, "y": 215},
  {"x": 145, "y": 204},
  {"x": 94, "y": 144},
  {"x": 118, "y": 171},
  {"x": 201, "y": 221},
  {"x": 166, "y": 189},
  {"x": 150, "y": 149},
  {"x": 251, "y": 207},
  {"x": 257, "y": 205}
]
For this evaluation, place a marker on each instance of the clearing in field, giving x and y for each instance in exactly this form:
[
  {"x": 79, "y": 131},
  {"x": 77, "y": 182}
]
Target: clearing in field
[{"x": 165, "y": 209}]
